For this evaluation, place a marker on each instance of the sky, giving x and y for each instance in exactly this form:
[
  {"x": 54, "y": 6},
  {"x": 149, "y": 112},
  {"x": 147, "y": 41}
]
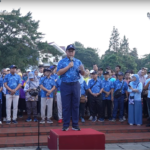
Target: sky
[{"x": 89, "y": 21}]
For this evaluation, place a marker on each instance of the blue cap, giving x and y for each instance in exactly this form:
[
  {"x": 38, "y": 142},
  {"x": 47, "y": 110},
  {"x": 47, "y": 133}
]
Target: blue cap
[
  {"x": 48, "y": 69},
  {"x": 120, "y": 74},
  {"x": 52, "y": 67},
  {"x": 31, "y": 75},
  {"x": 71, "y": 46},
  {"x": 13, "y": 66},
  {"x": 106, "y": 73}
]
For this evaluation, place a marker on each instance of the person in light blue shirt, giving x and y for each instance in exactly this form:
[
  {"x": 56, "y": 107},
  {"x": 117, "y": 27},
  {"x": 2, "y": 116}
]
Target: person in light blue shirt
[
  {"x": 69, "y": 70},
  {"x": 119, "y": 101},
  {"x": 100, "y": 74},
  {"x": 12, "y": 82},
  {"x": 83, "y": 98},
  {"x": 95, "y": 89},
  {"x": 147, "y": 87},
  {"x": 47, "y": 85},
  {"x": 107, "y": 95},
  {"x": 59, "y": 102},
  {"x": 54, "y": 75},
  {"x": 135, "y": 104}
]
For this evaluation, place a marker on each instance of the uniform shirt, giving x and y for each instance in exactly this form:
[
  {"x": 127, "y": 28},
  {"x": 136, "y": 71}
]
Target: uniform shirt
[
  {"x": 54, "y": 76},
  {"x": 100, "y": 77},
  {"x": 97, "y": 87},
  {"x": 58, "y": 83},
  {"x": 12, "y": 82},
  {"x": 1, "y": 85},
  {"x": 48, "y": 83},
  {"x": 137, "y": 95},
  {"x": 72, "y": 75},
  {"x": 118, "y": 85},
  {"x": 148, "y": 87},
  {"x": 107, "y": 85},
  {"x": 84, "y": 87}
]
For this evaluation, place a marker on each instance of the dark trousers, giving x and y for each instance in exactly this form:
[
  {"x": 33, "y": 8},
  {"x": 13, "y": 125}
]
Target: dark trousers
[
  {"x": 0, "y": 111},
  {"x": 145, "y": 110},
  {"x": 3, "y": 106},
  {"x": 96, "y": 106},
  {"x": 39, "y": 105},
  {"x": 89, "y": 103},
  {"x": 118, "y": 103},
  {"x": 82, "y": 109},
  {"x": 31, "y": 107},
  {"x": 148, "y": 106},
  {"x": 106, "y": 103},
  {"x": 21, "y": 105},
  {"x": 70, "y": 95}
]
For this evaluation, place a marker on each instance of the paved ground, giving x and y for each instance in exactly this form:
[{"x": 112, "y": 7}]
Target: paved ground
[{"x": 119, "y": 146}]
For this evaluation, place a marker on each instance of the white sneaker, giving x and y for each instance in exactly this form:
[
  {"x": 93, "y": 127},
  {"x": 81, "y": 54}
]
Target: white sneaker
[
  {"x": 124, "y": 118},
  {"x": 138, "y": 124},
  {"x": 131, "y": 124},
  {"x": 96, "y": 117},
  {"x": 91, "y": 117},
  {"x": 0, "y": 122},
  {"x": 4, "y": 119}
]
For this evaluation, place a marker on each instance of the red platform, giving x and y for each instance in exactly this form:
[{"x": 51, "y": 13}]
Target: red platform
[{"x": 85, "y": 139}]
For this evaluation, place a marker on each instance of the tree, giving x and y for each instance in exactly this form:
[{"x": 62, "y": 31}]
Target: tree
[
  {"x": 20, "y": 40},
  {"x": 114, "y": 40},
  {"x": 124, "y": 46}
]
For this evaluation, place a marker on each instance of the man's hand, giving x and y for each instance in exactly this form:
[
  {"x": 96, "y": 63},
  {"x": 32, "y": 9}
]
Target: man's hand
[
  {"x": 81, "y": 68},
  {"x": 94, "y": 94},
  {"x": 13, "y": 92},
  {"x": 112, "y": 98},
  {"x": 49, "y": 92},
  {"x": 71, "y": 64},
  {"x": 107, "y": 94}
]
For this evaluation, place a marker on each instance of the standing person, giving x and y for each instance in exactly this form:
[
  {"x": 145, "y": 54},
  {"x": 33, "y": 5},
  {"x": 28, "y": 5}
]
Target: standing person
[
  {"x": 135, "y": 103},
  {"x": 95, "y": 90},
  {"x": 86, "y": 75},
  {"x": 7, "y": 70},
  {"x": 41, "y": 69},
  {"x": 100, "y": 74},
  {"x": 117, "y": 70},
  {"x": 83, "y": 98},
  {"x": 31, "y": 100},
  {"x": 147, "y": 87},
  {"x": 111, "y": 78},
  {"x": 4, "y": 72},
  {"x": 68, "y": 69},
  {"x": 95, "y": 67},
  {"x": 12, "y": 83},
  {"x": 108, "y": 98},
  {"x": 54, "y": 75},
  {"x": 145, "y": 71},
  {"x": 1, "y": 88},
  {"x": 47, "y": 85},
  {"x": 59, "y": 102},
  {"x": 120, "y": 90},
  {"x": 22, "y": 103}
]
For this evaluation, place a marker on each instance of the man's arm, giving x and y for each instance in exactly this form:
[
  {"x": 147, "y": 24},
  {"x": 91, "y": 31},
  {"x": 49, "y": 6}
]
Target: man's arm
[
  {"x": 43, "y": 88},
  {"x": 64, "y": 70},
  {"x": 146, "y": 86},
  {"x": 7, "y": 87}
]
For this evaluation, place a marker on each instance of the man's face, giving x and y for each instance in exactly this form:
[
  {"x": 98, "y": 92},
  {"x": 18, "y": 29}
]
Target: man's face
[
  {"x": 120, "y": 77},
  {"x": 4, "y": 72},
  {"x": 106, "y": 76},
  {"x": 117, "y": 69},
  {"x": 47, "y": 73},
  {"x": 127, "y": 75},
  {"x": 87, "y": 72},
  {"x": 41, "y": 69},
  {"x": 100, "y": 72},
  {"x": 144, "y": 70},
  {"x": 109, "y": 72},
  {"x": 36, "y": 73},
  {"x": 13, "y": 70},
  {"x": 94, "y": 76},
  {"x": 70, "y": 53},
  {"x": 95, "y": 67}
]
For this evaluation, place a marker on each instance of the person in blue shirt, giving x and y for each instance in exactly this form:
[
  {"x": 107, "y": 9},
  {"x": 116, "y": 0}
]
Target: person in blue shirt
[
  {"x": 12, "y": 82},
  {"x": 1, "y": 88},
  {"x": 59, "y": 102},
  {"x": 107, "y": 96},
  {"x": 54, "y": 75},
  {"x": 100, "y": 74},
  {"x": 147, "y": 87},
  {"x": 119, "y": 101},
  {"x": 47, "y": 85},
  {"x": 95, "y": 90},
  {"x": 69, "y": 69},
  {"x": 135, "y": 104},
  {"x": 83, "y": 98}
]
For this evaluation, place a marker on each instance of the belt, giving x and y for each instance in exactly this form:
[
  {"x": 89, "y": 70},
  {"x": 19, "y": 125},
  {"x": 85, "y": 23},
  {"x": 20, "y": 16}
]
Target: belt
[{"x": 70, "y": 83}]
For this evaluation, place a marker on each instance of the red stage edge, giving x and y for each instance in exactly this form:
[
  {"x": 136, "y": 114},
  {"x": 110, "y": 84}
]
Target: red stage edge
[{"x": 85, "y": 139}]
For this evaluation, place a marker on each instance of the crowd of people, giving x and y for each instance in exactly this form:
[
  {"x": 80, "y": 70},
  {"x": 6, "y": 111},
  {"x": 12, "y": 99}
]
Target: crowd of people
[{"x": 104, "y": 94}]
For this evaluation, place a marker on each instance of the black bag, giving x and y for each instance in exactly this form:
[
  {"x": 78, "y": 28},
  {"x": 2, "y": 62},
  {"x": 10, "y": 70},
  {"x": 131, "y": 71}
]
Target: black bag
[
  {"x": 34, "y": 92},
  {"x": 118, "y": 93}
]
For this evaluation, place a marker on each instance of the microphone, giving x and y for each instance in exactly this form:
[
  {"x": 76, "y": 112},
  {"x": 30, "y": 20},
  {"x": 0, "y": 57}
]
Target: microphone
[{"x": 71, "y": 58}]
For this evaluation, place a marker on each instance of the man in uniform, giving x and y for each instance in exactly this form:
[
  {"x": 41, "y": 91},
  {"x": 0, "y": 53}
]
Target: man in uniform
[{"x": 69, "y": 69}]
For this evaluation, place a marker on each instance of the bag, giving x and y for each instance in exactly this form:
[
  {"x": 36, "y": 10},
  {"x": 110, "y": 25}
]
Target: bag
[
  {"x": 34, "y": 92},
  {"x": 118, "y": 93},
  {"x": 83, "y": 99},
  {"x": 144, "y": 92}
]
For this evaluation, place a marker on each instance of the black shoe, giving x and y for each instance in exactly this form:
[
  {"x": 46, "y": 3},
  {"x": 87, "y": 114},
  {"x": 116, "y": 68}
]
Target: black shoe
[
  {"x": 76, "y": 128},
  {"x": 65, "y": 129},
  {"x": 148, "y": 125}
]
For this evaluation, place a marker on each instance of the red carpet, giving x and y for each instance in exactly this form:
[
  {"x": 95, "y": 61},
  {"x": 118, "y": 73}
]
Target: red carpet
[{"x": 84, "y": 139}]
